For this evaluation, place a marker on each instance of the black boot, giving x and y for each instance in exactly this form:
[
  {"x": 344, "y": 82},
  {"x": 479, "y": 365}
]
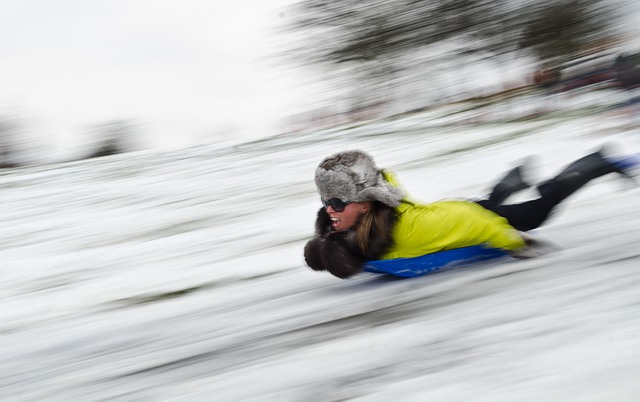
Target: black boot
[
  {"x": 576, "y": 175},
  {"x": 511, "y": 183}
]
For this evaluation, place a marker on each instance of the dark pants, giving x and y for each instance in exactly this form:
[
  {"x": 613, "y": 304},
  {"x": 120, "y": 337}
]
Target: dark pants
[
  {"x": 524, "y": 216},
  {"x": 531, "y": 214}
]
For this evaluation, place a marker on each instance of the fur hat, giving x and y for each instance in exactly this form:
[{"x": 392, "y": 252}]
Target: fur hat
[{"x": 353, "y": 176}]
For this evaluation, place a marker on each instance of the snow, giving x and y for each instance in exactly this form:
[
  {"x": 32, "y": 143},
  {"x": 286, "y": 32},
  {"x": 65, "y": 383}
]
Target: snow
[{"x": 180, "y": 276}]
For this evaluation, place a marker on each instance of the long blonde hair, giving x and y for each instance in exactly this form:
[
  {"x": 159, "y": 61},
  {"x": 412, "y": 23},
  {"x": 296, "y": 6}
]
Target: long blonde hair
[{"x": 372, "y": 228}]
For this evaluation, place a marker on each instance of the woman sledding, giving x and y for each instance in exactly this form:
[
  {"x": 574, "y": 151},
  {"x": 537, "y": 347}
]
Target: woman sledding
[{"x": 366, "y": 215}]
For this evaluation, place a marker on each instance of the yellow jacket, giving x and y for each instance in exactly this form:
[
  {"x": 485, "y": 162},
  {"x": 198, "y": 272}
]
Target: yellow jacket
[{"x": 444, "y": 225}]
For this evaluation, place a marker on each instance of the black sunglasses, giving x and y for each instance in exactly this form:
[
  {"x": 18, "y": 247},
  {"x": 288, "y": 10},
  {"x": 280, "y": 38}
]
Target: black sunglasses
[{"x": 336, "y": 203}]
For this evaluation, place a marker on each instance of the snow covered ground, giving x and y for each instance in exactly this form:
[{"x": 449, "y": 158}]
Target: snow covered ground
[{"x": 180, "y": 276}]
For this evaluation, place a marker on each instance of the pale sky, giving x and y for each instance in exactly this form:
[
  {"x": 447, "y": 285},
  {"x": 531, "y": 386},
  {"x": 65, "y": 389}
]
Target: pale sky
[
  {"x": 187, "y": 69},
  {"x": 190, "y": 71}
]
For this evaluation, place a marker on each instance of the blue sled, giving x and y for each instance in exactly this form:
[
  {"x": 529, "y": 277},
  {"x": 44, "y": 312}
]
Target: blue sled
[{"x": 426, "y": 264}]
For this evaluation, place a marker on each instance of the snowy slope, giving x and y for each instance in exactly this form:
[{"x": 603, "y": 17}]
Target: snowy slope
[{"x": 179, "y": 276}]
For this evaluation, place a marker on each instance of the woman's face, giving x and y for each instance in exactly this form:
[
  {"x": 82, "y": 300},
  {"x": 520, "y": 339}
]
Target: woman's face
[{"x": 341, "y": 221}]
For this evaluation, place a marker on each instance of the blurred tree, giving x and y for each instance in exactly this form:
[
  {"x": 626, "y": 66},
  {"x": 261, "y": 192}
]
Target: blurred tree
[
  {"x": 363, "y": 30},
  {"x": 376, "y": 38},
  {"x": 374, "y": 42},
  {"x": 555, "y": 31},
  {"x": 9, "y": 138},
  {"x": 113, "y": 137}
]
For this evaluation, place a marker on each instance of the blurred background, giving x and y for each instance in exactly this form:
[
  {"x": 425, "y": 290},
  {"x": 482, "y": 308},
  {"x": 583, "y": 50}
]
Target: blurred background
[
  {"x": 157, "y": 191},
  {"x": 80, "y": 79}
]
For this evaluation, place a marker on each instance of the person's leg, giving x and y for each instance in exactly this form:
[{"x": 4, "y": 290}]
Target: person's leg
[
  {"x": 531, "y": 214},
  {"x": 576, "y": 175},
  {"x": 525, "y": 216},
  {"x": 511, "y": 183}
]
